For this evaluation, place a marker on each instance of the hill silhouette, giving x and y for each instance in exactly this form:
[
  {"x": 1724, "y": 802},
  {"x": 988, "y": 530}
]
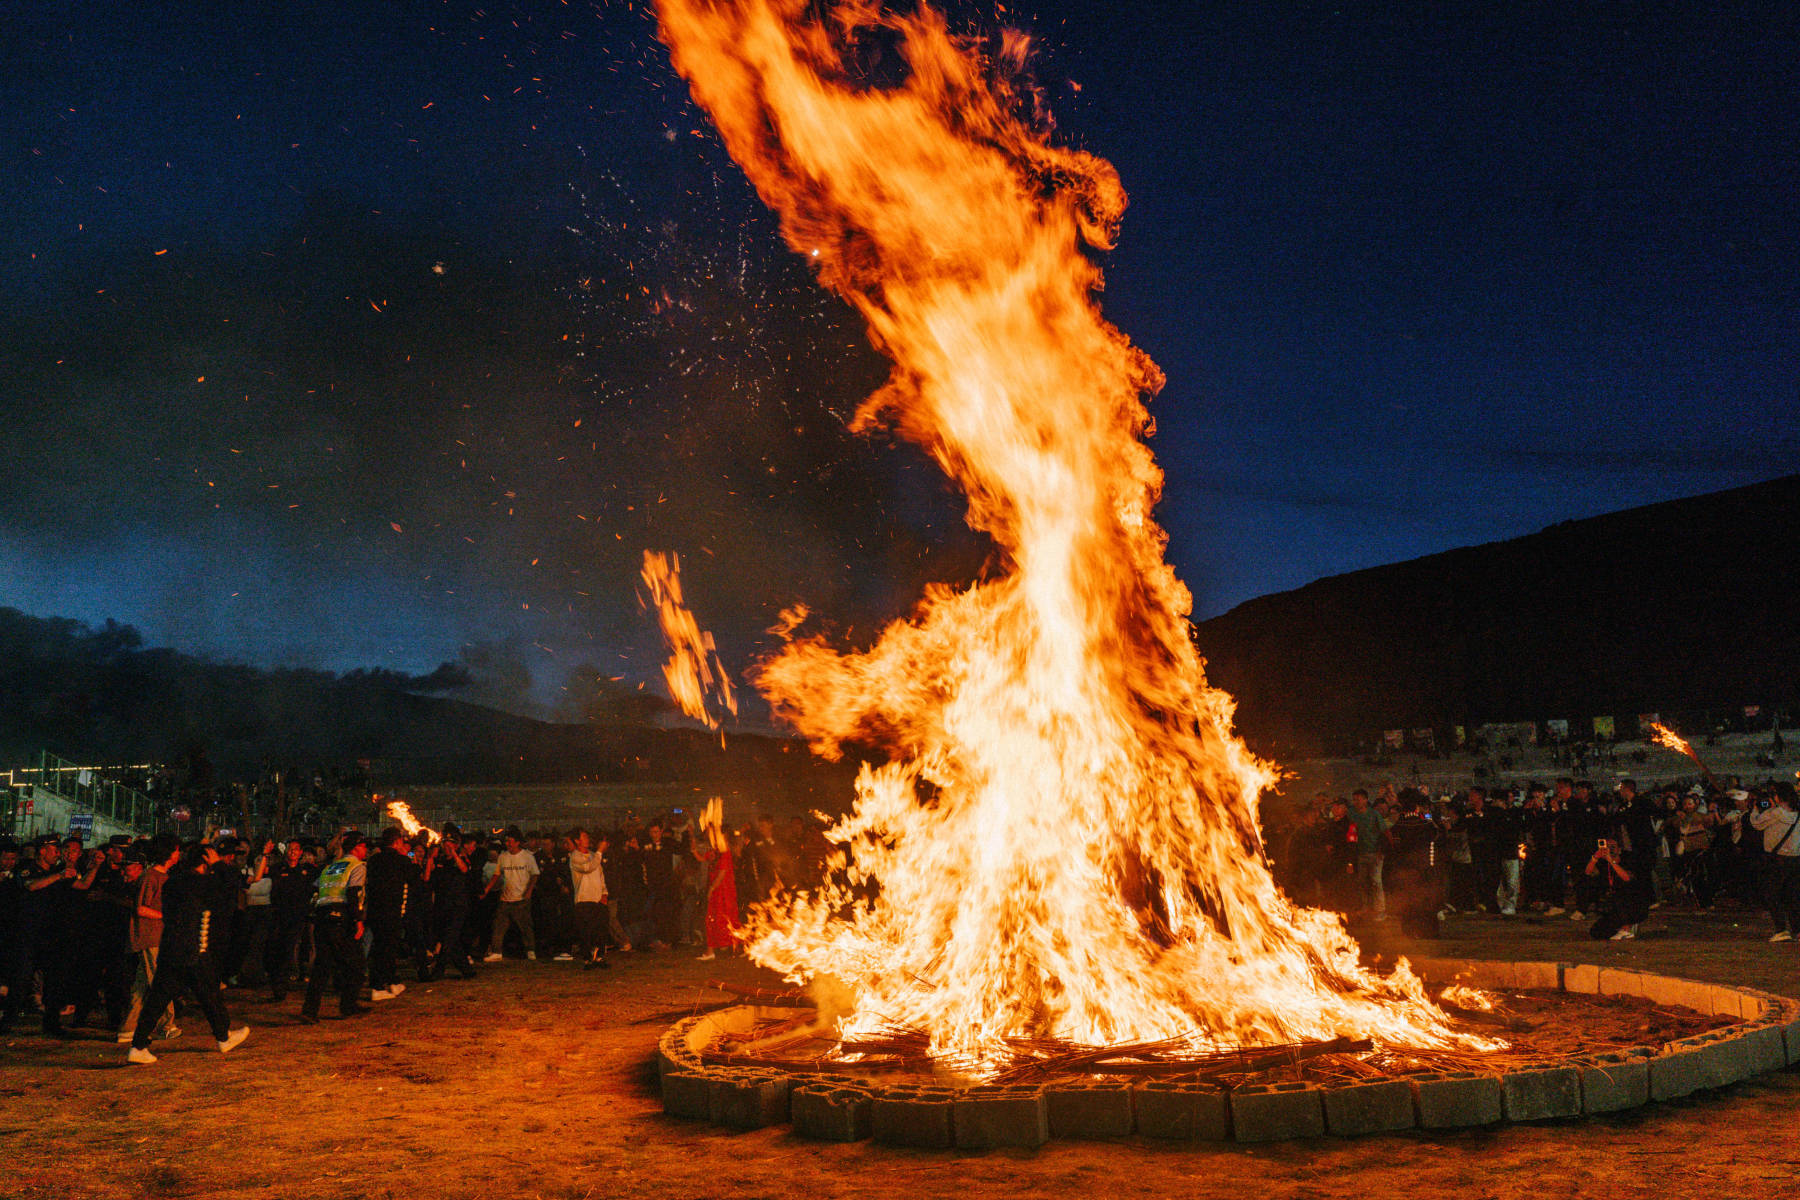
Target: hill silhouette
[
  {"x": 96, "y": 694},
  {"x": 1684, "y": 606}
]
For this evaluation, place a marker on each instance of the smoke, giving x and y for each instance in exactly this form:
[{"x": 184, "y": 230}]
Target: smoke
[{"x": 374, "y": 441}]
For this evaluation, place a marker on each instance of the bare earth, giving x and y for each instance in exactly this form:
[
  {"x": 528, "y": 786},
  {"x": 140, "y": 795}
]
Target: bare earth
[{"x": 536, "y": 1080}]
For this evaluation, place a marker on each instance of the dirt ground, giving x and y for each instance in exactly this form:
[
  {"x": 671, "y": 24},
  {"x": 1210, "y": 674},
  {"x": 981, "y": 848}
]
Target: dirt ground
[{"x": 536, "y": 1080}]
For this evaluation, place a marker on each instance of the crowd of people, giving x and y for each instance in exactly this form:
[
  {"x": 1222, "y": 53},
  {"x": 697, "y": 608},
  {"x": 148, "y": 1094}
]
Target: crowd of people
[
  {"x": 128, "y": 932},
  {"x": 1566, "y": 848}
]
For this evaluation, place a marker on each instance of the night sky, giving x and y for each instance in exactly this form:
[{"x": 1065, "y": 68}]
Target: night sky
[{"x": 358, "y": 334}]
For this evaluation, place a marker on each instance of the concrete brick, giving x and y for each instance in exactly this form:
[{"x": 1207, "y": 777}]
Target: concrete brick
[
  {"x": 1668, "y": 992},
  {"x": 1729, "y": 1002},
  {"x": 1374, "y": 1107},
  {"x": 913, "y": 1118},
  {"x": 989, "y": 1117},
  {"x": 1439, "y": 971},
  {"x": 1614, "y": 1082},
  {"x": 1790, "y": 1035},
  {"x": 1481, "y": 973},
  {"x": 1680, "y": 1071},
  {"x": 1539, "y": 1095},
  {"x": 1619, "y": 981},
  {"x": 1186, "y": 1112},
  {"x": 1581, "y": 977},
  {"x": 1457, "y": 1099},
  {"x": 1725, "y": 1054},
  {"x": 749, "y": 1100},
  {"x": 831, "y": 1114},
  {"x": 1764, "y": 1050},
  {"x": 1274, "y": 1112},
  {"x": 687, "y": 1095},
  {"x": 1089, "y": 1110},
  {"x": 1538, "y": 976},
  {"x": 1759, "y": 1006}
]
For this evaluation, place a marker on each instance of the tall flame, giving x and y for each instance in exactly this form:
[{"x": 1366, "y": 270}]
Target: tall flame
[
  {"x": 402, "y": 814},
  {"x": 693, "y": 671},
  {"x": 1061, "y": 839}
]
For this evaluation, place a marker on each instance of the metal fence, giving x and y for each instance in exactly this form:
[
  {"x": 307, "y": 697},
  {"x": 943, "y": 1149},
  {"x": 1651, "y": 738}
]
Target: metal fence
[{"x": 89, "y": 789}]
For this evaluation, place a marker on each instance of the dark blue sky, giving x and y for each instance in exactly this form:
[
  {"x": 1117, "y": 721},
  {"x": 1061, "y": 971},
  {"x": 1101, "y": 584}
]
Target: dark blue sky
[{"x": 275, "y": 280}]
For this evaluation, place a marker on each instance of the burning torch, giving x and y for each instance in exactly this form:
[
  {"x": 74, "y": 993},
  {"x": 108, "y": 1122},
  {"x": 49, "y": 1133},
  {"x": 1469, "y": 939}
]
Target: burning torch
[
  {"x": 1668, "y": 739},
  {"x": 402, "y": 813}
]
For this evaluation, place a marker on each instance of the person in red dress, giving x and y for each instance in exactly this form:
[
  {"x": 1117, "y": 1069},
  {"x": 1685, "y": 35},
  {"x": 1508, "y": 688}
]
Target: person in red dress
[{"x": 721, "y": 881}]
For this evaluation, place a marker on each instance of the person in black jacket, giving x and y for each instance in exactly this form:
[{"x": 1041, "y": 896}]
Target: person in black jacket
[
  {"x": 290, "y": 896},
  {"x": 447, "y": 874},
  {"x": 395, "y": 889},
  {"x": 185, "y": 965},
  {"x": 105, "y": 973},
  {"x": 1416, "y": 867},
  {"x": 15, "y": 944}
]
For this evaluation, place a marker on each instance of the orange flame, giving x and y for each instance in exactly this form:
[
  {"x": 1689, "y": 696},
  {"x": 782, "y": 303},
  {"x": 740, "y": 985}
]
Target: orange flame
[
  {"x": 693, "y": 671},
  {"x": 1062, "y": 837},
  {"x": 402, "y": 812},
  {"x": 1668, "y": 739}
]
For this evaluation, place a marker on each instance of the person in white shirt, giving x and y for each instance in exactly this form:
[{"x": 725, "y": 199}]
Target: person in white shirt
[
  {"x": 589, "y": 877},
  {"x": 516, "y": 875},
  {"x": 1775, "y": 818}
]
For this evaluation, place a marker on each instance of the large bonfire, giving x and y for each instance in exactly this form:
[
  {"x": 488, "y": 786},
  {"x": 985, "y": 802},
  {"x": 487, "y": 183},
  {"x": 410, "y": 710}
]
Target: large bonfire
[{"x": 1060, "y": 838}]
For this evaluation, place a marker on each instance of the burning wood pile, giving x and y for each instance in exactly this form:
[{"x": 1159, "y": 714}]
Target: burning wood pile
[
  {"x": 1055, "y": 843},
  {"x": 795, "y": 1039}
]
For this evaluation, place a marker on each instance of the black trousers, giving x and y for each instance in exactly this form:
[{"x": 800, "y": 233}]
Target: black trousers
[
  {"x": 1780, "y": 894},
  {"x": 15, "y": 973},
  {"x": 174, "y": 979},
  {"x": 590, "y": 930},
  {"x": 337, "y": 962},
  {"x": 384, "y": 951},
  {"x": 57, "y": 961},
  {"x": 452, "y": 948},
  {"x": 1617, "y": 910},
  {"x": 282, "y": 949},
  {"x": 106, "y": 977}
]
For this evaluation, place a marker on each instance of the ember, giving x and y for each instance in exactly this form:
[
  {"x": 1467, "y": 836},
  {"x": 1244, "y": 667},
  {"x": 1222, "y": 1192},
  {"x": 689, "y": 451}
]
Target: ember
[{"x": 1060, "y": 841}]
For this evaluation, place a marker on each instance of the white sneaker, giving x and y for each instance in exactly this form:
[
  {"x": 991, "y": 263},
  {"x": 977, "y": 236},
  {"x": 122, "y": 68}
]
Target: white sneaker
[
  {"x": 143, "y": 1058},
  {"x": 707, "y": 957},
  {"x": 1578, "y": 915},
  {"x": 1555, "y": 910},
  {"x": 381, "y": 994},
  {"x": 531, "y": 956},
  {"x": 565, "y": 956},
  {"x": 234, "y": 1039},
  {"x": 1624, "y": 935},
  {"x": 394, "y": 989},
  {"x": 496, "y": 956},
  {"x": 1783, "y": 936},
  {"x": 1509, "y": 912}
]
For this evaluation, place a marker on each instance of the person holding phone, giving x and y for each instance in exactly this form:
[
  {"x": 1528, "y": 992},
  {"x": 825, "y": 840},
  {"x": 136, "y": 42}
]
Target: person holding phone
[
  {"x": 1781, "y": 859},
  {"x": 1624, "y": 893}
]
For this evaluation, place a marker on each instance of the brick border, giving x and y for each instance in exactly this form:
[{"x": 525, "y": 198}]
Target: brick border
[{"x": 847, "y": 1107}]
